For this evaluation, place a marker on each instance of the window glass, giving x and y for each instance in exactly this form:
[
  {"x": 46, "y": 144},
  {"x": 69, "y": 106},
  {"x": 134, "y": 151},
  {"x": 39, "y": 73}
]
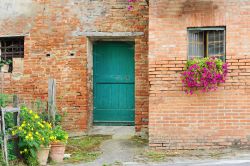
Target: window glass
[
  {"x": 205, "y": 42},
  {"x": 215, "y": 43},
  {"x": 196, "y": 44}
]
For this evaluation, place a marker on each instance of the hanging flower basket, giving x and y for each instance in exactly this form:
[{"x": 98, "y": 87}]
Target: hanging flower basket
[{"x": 203, "y": 73}]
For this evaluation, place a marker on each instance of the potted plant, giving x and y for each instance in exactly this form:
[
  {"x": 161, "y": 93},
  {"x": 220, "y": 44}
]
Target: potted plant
[
  {"x": 34, "y": 137},
  {"x": 45, "y": 132},
  {"x": 204, "y": 73},
  {"x": 58, "y": 141},
  {"x": 5, "y": 65}
]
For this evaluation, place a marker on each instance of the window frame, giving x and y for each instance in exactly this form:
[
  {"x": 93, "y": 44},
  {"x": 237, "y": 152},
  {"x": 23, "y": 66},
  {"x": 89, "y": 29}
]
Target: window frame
[
  {"x": 16, "y": 45},
  {"x": 205, "y": 31}
]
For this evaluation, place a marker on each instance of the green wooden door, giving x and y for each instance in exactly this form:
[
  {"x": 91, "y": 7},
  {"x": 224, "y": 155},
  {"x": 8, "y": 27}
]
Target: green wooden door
[{"x": 114, "y": 95}]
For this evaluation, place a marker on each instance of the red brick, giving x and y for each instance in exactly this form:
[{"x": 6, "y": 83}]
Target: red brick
[{"x": 205, "y": 120}]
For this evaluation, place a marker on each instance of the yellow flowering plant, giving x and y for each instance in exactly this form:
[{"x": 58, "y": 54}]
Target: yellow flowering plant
[
  {"x": 59, "y": 135},
  {"x": 32, "y": 133}
]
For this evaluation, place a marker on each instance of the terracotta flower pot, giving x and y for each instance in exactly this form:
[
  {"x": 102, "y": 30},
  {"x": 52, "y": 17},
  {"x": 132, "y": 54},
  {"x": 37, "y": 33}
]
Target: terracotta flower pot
[
  {"x": 5, "y": 68},
  {"x": 42, "y": 155},
  {"x": 57, "y": 152}
]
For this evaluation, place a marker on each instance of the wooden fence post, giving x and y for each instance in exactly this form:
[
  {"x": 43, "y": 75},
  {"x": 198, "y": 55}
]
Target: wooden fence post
[
  {"x": 52, "y": 100},
  {"x": 5, "y": 141},
  {"x": 5, "y": 135},
  {"x": 15, "y": 101},
  {"x": 17, "y": 118}
]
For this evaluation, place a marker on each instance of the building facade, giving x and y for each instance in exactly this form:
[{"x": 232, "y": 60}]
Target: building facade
[
  {"x": 58, "y": 38},
  {"x": 118, "y": 67},
  {"x": 214, "y": 119}
]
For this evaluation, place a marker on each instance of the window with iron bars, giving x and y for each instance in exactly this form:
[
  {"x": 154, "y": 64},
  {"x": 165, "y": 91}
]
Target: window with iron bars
[
  {"x": 206, "y": 42},
  {"x": 10, "y": 47}
]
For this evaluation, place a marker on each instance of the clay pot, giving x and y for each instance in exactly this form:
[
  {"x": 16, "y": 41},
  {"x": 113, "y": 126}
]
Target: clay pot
[
  {"x": 42, "y": 155},
  {"x": 5, "y": 68},
  {"x": 57, "y": 152}
]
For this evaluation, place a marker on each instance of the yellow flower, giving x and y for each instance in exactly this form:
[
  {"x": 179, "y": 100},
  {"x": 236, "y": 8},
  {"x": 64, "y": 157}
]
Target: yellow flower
[
  {"x": 30, "y": 134},
  {"x": 23, "y": 125},
  {"x": 20, "y": 128},
  {"x": 36, "y": 116},
  {"x": 40, "y": 124},
  {"x": 25, "y": 150},
  {"x": 52, "y": 138},
  {"x": 37, "y": 133},
  {"x": 49, "y": 125},
  {"x": 30, "y": 111},
  {"x": 13, "y": 133},
  {"x": 42, "y": 139}
]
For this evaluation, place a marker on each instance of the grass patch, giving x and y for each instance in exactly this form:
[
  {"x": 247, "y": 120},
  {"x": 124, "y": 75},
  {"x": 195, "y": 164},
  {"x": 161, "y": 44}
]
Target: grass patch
[
  {"x": 160, "y": 155},
  {"x": 155, "y": 156},
  {"x": 84, "y": 149},
  {"x": 117, "y": 163},
  {"x": 139, "y": 140},
  {"x": 166, "y": 155}
]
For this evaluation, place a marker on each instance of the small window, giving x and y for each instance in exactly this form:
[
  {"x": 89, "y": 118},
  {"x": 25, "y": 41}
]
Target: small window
[
  {"x": 11, "y": 47},
  {"x": 206, "y": 42}
]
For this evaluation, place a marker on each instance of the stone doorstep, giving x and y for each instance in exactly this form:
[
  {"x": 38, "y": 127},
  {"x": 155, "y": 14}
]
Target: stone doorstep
[{"x": 117, "y": 132}]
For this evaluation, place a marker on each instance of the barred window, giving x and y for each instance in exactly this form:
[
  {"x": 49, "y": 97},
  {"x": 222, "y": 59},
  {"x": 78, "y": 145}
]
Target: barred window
[
  {"x": 11, "y": 47},
  {"x": 206, "y": 42}
]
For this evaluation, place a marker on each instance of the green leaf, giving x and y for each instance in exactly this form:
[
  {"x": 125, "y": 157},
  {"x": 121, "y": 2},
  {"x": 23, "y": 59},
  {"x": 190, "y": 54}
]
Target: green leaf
[{"x": 33, "y": 153}]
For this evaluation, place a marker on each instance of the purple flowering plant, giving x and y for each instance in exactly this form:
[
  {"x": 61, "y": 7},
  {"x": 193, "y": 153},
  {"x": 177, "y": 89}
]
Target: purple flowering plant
[
  {"x": 130, "y": 7},
  {"x": 204, "y": 73}
]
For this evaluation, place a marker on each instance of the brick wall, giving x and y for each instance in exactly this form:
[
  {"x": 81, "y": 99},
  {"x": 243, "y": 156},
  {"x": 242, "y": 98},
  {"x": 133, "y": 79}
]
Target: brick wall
[
  {"x": 55, "y": 28},
  {"x": 214, "y": 119}
]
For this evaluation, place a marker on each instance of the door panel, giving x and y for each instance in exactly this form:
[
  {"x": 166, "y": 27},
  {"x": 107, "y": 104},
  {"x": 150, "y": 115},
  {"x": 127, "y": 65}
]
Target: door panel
[{"x": 114, "y": 83}]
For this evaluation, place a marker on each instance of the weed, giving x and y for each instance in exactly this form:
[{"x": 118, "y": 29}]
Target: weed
[{"x": 85, "y": 148}]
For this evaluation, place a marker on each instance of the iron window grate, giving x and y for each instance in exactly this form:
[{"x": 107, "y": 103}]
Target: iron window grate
[{"x": 12, "y": 47}]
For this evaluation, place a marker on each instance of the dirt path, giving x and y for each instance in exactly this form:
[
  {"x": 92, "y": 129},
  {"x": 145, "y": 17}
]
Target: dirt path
[
  {"x": 116, "y": 152},
  {"x": 121, "y": 150},
  {"x": 127, "y": 152}
]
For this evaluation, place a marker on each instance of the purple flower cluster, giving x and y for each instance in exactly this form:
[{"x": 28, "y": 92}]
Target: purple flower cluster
[
  {"x": 205, "y": 74},
  {"x": 130, "y": 7}
]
